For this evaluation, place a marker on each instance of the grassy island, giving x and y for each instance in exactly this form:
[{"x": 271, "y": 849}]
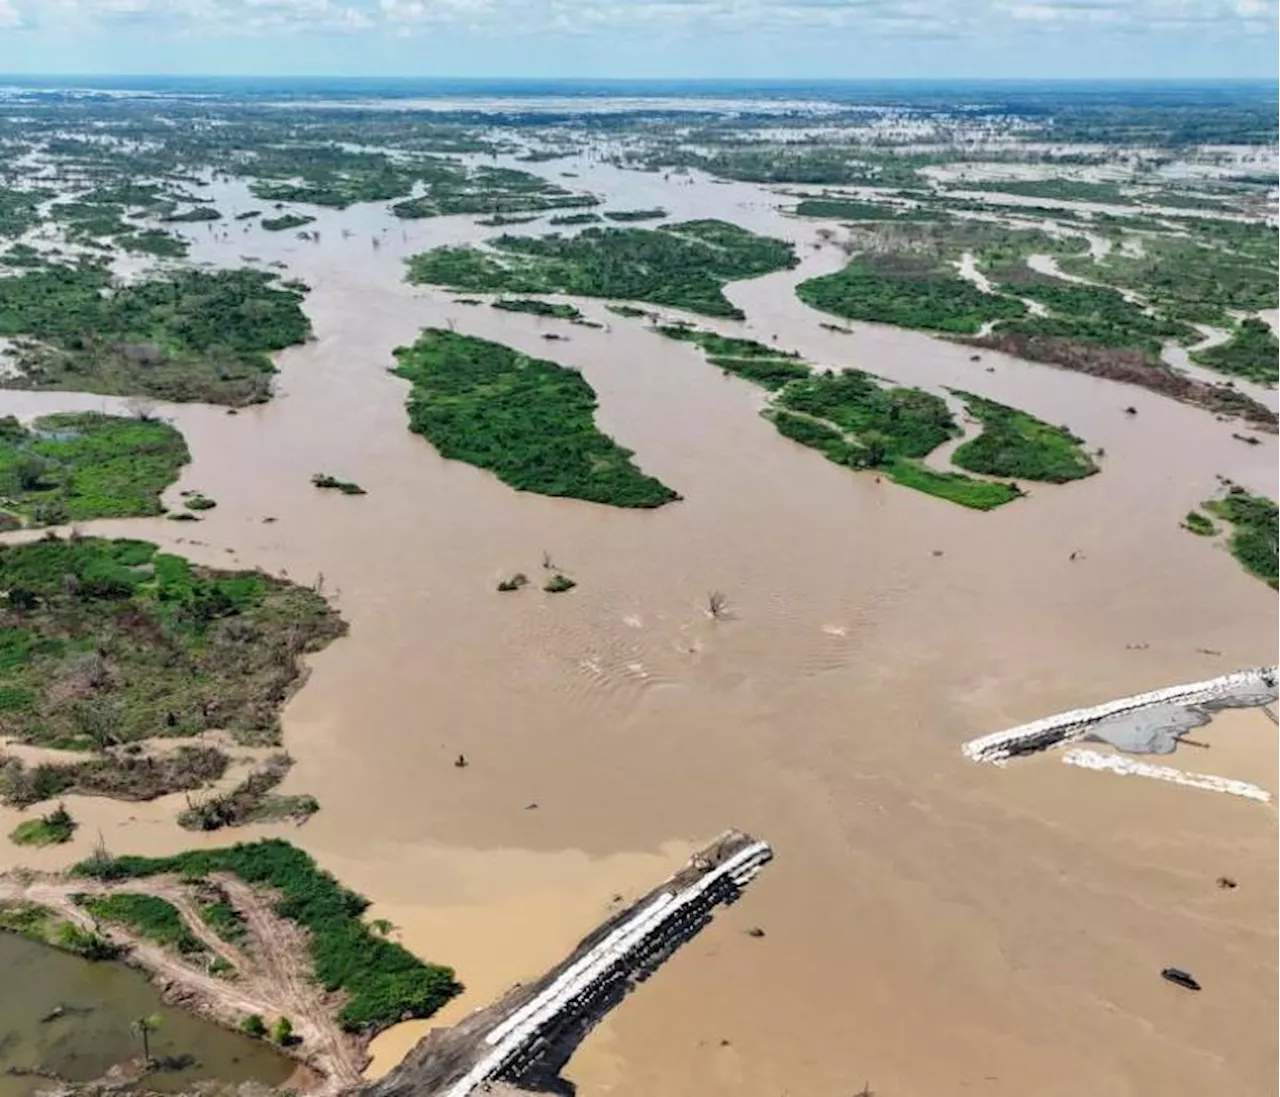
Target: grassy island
[
  {"x": 684, "y": 265},
  {"x": 383, "y": 982},
  {"x": 47, "y": 830},
  {"x": 1018, "y": 445},
  {"x": 78, "y": 466},
  {"x": 1253, "y": 537},
  {"x": 192, "y": 335},
  {"x": 105, "y": 642},
  {"x": 529, "y": 421}
]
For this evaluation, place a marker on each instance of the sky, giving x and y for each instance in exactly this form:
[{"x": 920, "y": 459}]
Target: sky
[{"x": 782, "y": 39}]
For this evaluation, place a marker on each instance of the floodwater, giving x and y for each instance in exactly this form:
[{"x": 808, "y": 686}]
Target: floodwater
[
  {"x": 932, "y": 927},
  {"x": 97, "y": 1004}
]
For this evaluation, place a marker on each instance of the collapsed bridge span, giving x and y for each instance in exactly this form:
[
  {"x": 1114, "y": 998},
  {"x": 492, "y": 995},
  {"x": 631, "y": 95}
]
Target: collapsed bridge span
[{"x": 526, "y": 1037}]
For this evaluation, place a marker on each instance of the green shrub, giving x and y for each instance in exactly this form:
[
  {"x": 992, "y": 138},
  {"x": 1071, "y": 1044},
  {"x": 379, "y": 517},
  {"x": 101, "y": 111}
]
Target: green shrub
[
  {"x": 52, "y": 829},
  {"x": 148, "y": 916},
  {"x": 253, "y": 1025}
]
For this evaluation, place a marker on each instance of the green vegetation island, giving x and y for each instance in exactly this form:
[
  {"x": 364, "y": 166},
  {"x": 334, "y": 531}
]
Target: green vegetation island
[
  {"x": 854, "y": 419},
  {"x": 529, "y": 421},
  {"x": 192, "y": 335},
  {"x": 76, "y": 466},
  {"x": 106, "y": 643},
  {"x": 684, "y": 265},
  {"x": 1254, "y": 530}
]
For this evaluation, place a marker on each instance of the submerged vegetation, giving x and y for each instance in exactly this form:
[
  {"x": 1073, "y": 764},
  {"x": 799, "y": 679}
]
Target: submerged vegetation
[
  {"x": 529, "y": 421},
  {"x": 48, "y": 830},
  {"x": 384, "y": 982},
  {"x": 332, "y": 483},
  {"x": 285, "y": 222},
  {"x": 192, "y": 335},
  {"x": 1018, "y": 445},
  {"x": 684, "y": 265},
  {"x": 535, "y": 307},
  {"x": 77, "y": 466},
  {"x": 1254, "y": 528},
  {"x": 106, "y": 642},
  {"x": 251, "y": 801}
]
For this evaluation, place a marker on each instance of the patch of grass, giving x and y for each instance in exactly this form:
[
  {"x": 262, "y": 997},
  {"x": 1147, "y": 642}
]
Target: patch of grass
[
  {"x": 332, "y": 483},
  {"x": 909, "y": 293},
  {"x": 558, "y": 584},
  {"x": 83, "y": 465},
  {"x": 106, "y": 642},
  {"x": 148, "y": 916},
  {"x": 684, "y": 265},
  {"x": 196, "y": 501},
  {"x": 1199, "y": 524},
  {"x": 48, "y": 830},
  {"x": 1252, "y": 352},
  {"x": 285, "y": 222},
  {"x": 952, "y": 486},
  {"x": 529, "y": 421},
  {"x": 192, "y": 335},
  {"x": 1253, "y": 521},
  {"x": 629, "y": 311},
  {"x": 1016, "y": 444},
  {"x": 513, "y": 582},
  {"x": 42, "y": 925},
  {"x": 574, "y": 219},
  {"x": 537, "y": 308},
  {"x": 384, "y": 982}
]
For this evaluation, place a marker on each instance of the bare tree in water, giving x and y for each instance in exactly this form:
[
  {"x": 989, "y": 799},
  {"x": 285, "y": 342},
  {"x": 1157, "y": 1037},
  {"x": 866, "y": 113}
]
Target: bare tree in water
[{"x": 717, "y": 605}]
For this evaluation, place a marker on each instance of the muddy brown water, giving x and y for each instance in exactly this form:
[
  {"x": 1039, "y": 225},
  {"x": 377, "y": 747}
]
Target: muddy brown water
[
  {"x": 932, "y": 927},
  {"x": 98, "y": 1003}
]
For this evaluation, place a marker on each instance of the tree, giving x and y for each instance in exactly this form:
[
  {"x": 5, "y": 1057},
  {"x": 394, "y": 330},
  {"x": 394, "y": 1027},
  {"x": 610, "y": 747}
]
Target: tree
[
  {"x": 30, "y": 471},
  {"x": 144, "y": 1027},
  {"x": 282, "y": 1031},
  {"x": 253, "y": 1026}
]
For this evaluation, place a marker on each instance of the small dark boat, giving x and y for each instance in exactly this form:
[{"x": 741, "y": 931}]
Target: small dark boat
[{"x": 1182, "y": 978}]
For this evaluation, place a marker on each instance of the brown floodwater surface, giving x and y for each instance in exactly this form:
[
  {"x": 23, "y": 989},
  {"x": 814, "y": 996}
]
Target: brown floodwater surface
[{"x": 931, "y": 927}]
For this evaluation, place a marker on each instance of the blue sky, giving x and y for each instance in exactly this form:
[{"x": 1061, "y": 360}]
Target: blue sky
[{"x": 855, "y": 39}]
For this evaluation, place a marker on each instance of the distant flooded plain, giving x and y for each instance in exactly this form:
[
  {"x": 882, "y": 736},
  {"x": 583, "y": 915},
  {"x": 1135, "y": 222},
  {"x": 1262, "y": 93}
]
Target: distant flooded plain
[{"x": 931, "y": 927}]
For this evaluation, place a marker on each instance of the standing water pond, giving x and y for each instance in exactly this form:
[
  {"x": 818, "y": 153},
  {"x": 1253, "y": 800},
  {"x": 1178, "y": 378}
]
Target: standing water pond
[{"x": 66, "y": 1016}]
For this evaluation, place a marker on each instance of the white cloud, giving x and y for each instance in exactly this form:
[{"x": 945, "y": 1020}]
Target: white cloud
[{"x": 506, "y": 17}]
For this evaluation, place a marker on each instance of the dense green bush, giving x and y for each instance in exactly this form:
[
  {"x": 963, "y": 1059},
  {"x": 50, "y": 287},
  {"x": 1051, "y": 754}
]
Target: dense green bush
[
  {"x": 529, "y": 421},
  {"x": 384, "y": 982}
]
